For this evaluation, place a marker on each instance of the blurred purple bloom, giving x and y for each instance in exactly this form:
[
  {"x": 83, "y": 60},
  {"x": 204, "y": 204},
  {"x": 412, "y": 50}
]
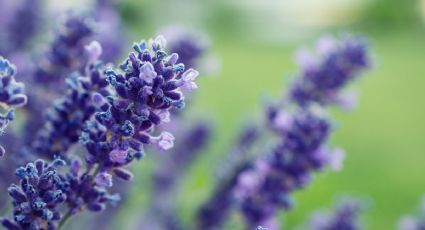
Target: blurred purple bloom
[
  {"x": 324, "y": 74},
  {"x": 65, "y": 119},
  {"x": 346, "y": 216}
]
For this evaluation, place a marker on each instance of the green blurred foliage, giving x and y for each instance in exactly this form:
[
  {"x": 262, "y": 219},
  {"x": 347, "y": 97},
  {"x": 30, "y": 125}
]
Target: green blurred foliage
[{"x": 383, "y": 14}]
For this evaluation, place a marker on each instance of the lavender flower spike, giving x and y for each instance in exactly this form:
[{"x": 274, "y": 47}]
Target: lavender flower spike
[
  {"x": 66, "y": 117},
  {"x": 346, "y": 216},
  {"x": 36, "y": 200},
  {"x": 326, "y": 73},
  {"x": 11, "y": 95},
  {"x": 148, "y": 85},
  {"x": 302, "y": 132}
]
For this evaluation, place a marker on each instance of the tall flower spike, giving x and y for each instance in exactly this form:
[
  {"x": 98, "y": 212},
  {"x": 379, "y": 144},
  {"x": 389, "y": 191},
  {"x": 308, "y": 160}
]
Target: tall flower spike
[
  {"x": 66, "y": 117},
  {"x": 263, "y": 186},
  {"x": 302, "y": 133},
  {"x": 36, "y": 200},
  {"x": 11, "y": 95},
  {"x": 147, "y": 86},
  {"x": 64, "y": 55}
]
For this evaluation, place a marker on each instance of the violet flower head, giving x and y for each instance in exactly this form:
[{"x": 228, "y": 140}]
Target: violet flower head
[
  {"x": 36, "y": 199},
  {"x": 267, "y": 187},
  {"x": 346, "y": 216},
  {"x": 324, "y": 74},
  {"x": 67, "y": 51},
  {"x": 145, "y": 88},
  {"x": 88, "y": 192},
  {"x": 11, "y": 95},
  {"x": 66, "y": 117}
]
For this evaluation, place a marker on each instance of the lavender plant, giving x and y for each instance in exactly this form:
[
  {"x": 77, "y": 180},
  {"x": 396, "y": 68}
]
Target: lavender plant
[
  {"x": 264, "y": 185},
  {"x": 142, "y": 92}
]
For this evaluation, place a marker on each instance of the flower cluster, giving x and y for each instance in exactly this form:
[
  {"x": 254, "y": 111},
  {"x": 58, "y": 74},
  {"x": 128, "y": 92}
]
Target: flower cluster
[
  {"x": 87, "y": 190},
  {"x": 265, "y": 188},
  {"x": 147, "y": 87},
  {"x": 11, "y": 95},
  {"x": 346, "y": 216},
  {"x": 66, "y": 53},
  {"x": 327, "y": 72},
  {"x": 20, "y": 23},
  {"x": 65, "y": 119},
  {"x": 36, "y": 200}
]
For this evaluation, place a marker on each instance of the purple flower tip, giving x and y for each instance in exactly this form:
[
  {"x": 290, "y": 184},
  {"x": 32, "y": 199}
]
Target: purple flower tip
[
  {"x": 118, "y": 156},
  {"x": 104, "y": 179},
  {"x": 94, "y": 50},
  {"x": 336, "y": 158},
  {"x": 164, "y": 142}
]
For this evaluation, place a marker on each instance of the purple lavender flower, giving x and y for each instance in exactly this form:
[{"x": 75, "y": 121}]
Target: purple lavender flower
[
  {"x": 66, "y": 53},
  {"x": 19, "y": 24},
  {"x": 414, "y": 222},
  {"x": 263, "y": 186},
  {"x": 148, "y": 85},
  {"x": 324, "y": 74},
  {"x": 346, "y": 216},
  {"x": 36, "y": 200},
  {"x": 11, "y": 95},
  {"x": 302, "y": 133},
  {"x": 87, "y": 190},
  {"x": 66, "y": 118}
]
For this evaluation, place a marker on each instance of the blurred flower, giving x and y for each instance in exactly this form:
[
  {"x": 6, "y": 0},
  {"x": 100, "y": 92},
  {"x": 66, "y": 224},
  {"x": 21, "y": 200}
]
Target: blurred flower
[
  {"x": 324, "y": 74},
  {"x": 414, "y": 222},
  {"x": 346, "y": 216},
  {"x": 65, "y": 119}
]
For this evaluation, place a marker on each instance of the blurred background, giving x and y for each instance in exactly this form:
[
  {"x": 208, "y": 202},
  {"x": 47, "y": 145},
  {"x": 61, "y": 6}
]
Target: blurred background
[{"x": 253, "y": 43}]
